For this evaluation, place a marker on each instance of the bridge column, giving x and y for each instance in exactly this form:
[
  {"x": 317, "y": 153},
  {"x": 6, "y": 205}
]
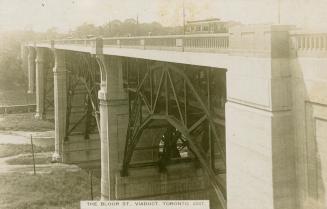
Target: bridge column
[
  {"x": 113, "y": 120},
  {"x": 259, "y": 132},
  {"x": 60, "y": 103},
  {"x": 31, "y": 70},
  {"x": 24, "y": 58},
  {"x": 40, "y": 70}
]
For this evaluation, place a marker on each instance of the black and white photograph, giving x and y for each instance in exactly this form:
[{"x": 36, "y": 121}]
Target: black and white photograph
[{"x": 163, "y": 104}]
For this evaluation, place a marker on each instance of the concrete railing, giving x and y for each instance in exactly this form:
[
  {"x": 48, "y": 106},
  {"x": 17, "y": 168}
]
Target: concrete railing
[
  {"x": 212, "y": 42},
  {"x": 301, "y": 42},
  {"x": 80, "y": 42},
  {"x": 199, "y": 42},
  {"x": 207, "y": 41},
  {"x": 309, "y": 41}
]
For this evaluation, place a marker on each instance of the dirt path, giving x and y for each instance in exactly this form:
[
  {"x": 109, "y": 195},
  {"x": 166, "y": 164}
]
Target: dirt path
[{"x": 40, "y": 168}]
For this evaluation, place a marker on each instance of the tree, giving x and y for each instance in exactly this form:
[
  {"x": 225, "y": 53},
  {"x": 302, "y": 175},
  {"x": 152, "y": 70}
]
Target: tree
[
  {"x": 11, "y": 73},
  {"x": 52, "y": 33},
  {"x": 129, "y": 27},
  {"x": 85, "y": 29}
]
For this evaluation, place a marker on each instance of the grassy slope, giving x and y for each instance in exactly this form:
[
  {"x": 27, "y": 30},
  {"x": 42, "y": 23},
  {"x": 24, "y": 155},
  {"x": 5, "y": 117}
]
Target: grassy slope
[
  {"x": 16, "y": 97},
  {"x": 28, "y": 159},
  {"x": 24, "y": 122},
  {"x": 7, "y": 150},
  {"x": 56, "y": 190}
]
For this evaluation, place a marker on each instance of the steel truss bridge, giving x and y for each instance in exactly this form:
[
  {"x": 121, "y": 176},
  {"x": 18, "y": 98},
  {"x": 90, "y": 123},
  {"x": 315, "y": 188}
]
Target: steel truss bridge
[{"x": 160, "y": 102}]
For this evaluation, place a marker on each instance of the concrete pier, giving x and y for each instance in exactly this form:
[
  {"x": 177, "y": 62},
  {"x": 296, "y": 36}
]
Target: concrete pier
[
  {"x": 259, "y": 141},
  {"x": 60, "y": 102},
  {"x": 113, "y": 120},
  {"x": 31, "y": 70},
  {"x": 40, "y": 82}
]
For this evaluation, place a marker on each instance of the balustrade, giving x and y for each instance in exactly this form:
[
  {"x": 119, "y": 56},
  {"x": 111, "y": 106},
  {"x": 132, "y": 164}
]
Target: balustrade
[
  {"x": 302, "y": 42},
  {"x": 171, "y": 42},
  {"x": 309, "y": 42}
]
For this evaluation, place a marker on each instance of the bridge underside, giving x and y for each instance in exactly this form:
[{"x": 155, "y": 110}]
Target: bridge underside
[
  {"x": 70, "y": 98},
  {"x": 167, "y": 123},
  {"x": 176, "y": 127},
  {"x": 166, "y": 131}
]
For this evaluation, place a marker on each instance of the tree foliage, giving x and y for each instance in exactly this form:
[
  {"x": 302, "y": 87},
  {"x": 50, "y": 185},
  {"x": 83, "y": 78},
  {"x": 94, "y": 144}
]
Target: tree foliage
[
  {"x": 128, "y": 27},
  {"x": 12, "y": 74}
]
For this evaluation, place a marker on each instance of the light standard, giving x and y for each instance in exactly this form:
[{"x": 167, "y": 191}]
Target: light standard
[
  {"x": 183, "y": 17},
  {"x": 278, "y": 11}
]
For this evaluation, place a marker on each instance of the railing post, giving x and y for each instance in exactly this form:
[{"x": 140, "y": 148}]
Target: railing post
[
  {"x": 142, "y": 42},
  {"x": 180, "y": 43},
  {"x": 98, "y": 46},
  {"x": 52, "y": 44},
  {"x": 315, "y": 42},
  {"x": 322, "y": 40}
]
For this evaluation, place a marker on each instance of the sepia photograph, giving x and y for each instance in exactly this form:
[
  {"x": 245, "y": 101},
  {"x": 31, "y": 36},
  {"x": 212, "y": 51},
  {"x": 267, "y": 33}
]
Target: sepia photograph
[{"x": 163, "y": 104}]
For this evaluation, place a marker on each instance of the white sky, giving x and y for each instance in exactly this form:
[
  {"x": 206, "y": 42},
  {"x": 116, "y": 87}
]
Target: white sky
[{"x": 40, "y": 15}]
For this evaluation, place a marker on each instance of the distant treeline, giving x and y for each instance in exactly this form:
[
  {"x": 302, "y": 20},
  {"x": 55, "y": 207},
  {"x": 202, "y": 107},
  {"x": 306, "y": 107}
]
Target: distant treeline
[
  {"x": 11, "y": 72},
  {"x": 128, "y": 27}
]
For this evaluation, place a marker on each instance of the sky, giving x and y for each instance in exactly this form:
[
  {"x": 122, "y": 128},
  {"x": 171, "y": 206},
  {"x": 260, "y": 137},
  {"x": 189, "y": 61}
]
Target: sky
[{"x": 65, "y": 15}]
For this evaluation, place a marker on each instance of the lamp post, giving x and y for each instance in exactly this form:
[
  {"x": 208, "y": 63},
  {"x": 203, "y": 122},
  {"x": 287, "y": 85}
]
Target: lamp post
[
  {"x": 183, "y": 17},
  {"x": 278, "y": 11}
]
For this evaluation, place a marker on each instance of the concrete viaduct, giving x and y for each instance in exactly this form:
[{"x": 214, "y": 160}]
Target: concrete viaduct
[{"x": 238, "y": 118}]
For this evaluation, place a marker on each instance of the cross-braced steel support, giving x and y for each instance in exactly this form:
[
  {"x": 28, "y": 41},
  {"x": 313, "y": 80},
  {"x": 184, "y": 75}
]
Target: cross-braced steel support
[
  {"x": 76, "y": 79},
  {"x": 82, "y": 87},
  {"x": 31, "y": 69},
  {"x": 182, "y": 96}
]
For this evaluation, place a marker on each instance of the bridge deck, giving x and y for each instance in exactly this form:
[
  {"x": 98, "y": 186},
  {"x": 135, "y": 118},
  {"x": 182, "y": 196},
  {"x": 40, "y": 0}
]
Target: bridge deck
[
  {"x": 204, "y": 50},
  {"x": 209, "y": 50}
]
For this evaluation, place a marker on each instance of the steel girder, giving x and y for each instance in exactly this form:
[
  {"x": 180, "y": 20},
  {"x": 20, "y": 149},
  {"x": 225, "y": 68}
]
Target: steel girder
[
  {"x": 48, "y": 80},
  {"x": 182, "y": 96},
  {"x": 82, "y": 87}
]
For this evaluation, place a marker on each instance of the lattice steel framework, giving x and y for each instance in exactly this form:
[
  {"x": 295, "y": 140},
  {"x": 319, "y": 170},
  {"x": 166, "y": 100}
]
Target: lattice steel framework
[
  {"x": 83, "y": 81},
  {"x": 191, "y": 102},
  {"x": 48, "y": 80}
]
